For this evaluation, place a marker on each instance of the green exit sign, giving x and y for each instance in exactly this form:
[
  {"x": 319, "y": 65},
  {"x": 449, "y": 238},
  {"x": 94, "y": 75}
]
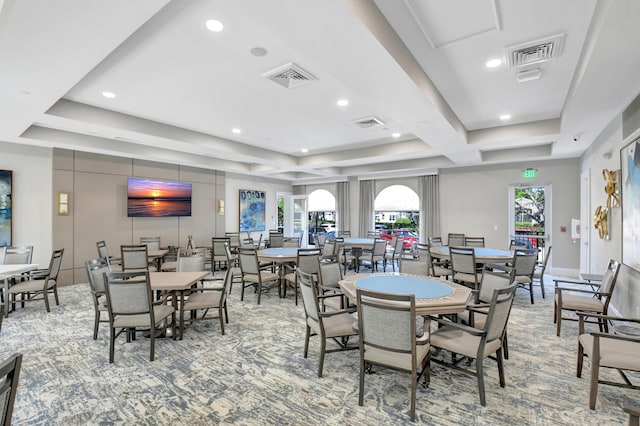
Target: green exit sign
[{"x": 529, "y": 173}]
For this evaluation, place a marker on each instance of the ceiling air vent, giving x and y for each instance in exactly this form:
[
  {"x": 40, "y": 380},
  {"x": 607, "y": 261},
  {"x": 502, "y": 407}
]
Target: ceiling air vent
[
  {"x": 368, "y": 122},
  {"x": 534, "y": 52},
  {"x": 289, "y": 76}
]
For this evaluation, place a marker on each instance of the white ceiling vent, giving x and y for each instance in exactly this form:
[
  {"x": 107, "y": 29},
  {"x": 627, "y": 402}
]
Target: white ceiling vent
[
  {"x": 368, "y": 122},
  {"x": 290, "y": 75},
  {"x": 534, "y": 52}
]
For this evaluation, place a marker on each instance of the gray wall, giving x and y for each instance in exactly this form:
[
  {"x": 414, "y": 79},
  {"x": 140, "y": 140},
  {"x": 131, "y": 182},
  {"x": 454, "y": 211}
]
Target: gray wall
[{"x": 98, "y": 187}]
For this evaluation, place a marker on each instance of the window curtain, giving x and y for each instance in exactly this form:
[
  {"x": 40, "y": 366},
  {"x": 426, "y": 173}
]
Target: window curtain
[
  {"x": 429, "y": 191},
  {"x": 342, "y": 207},
  {"x": 367, "y": 214}
]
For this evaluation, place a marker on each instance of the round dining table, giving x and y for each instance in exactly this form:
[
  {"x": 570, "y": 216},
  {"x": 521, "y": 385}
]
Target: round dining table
[
  {"x": 434, "y": 296},
  {"x": 279, "y": 254},
  {"x": 483, "y": 254}
]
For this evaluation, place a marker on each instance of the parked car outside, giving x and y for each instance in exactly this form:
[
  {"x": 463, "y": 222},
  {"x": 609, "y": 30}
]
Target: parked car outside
[
  {"x": 410, "y": 237},
  {"x": 320, "y": 230}
]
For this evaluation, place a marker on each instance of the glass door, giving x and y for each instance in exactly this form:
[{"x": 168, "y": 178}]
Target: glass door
[
  {"x": 295, "y": 218},
  {"x": 528, "y": 222}
]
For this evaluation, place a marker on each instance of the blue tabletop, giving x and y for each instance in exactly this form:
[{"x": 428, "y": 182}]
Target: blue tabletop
[
  {"x": 282, "y": 252},
  {"x": 422, "y": 288},
  {"x": 359, "y": 240}
]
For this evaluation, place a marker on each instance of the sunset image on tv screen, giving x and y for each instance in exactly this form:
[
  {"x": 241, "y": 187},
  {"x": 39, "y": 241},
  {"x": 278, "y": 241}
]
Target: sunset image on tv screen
[{"x": 152, "y": 198}]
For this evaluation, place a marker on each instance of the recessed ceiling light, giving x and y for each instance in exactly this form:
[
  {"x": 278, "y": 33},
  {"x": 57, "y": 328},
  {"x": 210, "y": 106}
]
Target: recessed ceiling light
[
  {"x": 258, "y": 51},
  {"x": 396, "y": 134},
  {"x": 236, "y": 130},
  {"x": 109, "y": 95},
  {"x": 304, "y": 150},
  {"x": 494, "y": 63},
  {"x": 505, "y": 117},
  {"x": 215, "y": 26},
  {"x": 342, "y": 102}
]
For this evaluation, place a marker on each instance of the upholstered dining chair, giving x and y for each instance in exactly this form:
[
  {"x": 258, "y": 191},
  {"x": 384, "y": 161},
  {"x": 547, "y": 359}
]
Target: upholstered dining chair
[
  {"x": 131, "y": 308},
  {"x": 437, "y": 268},
  {"x": 40, "y": 284},
  {"x": 291, "y": 242},
  {"x": 576, "y": 297},
  {"x": 218, "y": 254},
  {"x": 418, "y": 266},
  {"x": 394, "y": 252},
  {"x": 617, "y": 350},
  {"x": 9, "y": 378},
  {"x": 307, "y": 260},
  {"x": 233, "y": 264},
  {"x": 456, "y": 240},
  {"x": 253, "y": 275},
  {"x": 389, "y": 338},
  {"x": 478, "y": 344},
  {"x": 524, "y": 265},
  {"x": 16, "y": 255},
  {"x": 538, "y": 273},
  {"x": 276, "y": 239},
  {"x": 473, "y": 241},
  {"x": 435, "y": 241},
  {"x": 207, "y": 299},
  {"x": 330, "y": 275},
  {"x": 337, "y": 325},
  {"x": 195, "y": 262},
  {"x": 372, "y": 257},
  {"x": 96, "y": 269},
  {"x": 234, "y": 240},
  {"x": 463, "y": 266},
  {"x": 134, "y": 257},
  {"x": 103, "y": 252},
  {"x": 153, "y": 243}
]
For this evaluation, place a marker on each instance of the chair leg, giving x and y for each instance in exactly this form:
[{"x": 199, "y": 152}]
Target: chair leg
[
  {"x": 480, "y": 374},
  {"x": 361, "y": 393},
  {"x": 558, "y": 319},
  {"x": 505, "y": 345},
  {"x": 500, "y": 367},
  {"x": 221, "y": 313},
  {"x": 112, "y": 338},
  {"x": 542, "y": 285},
  {"x": 242, "y": 291},
  {"x": 46, "y": 300},
  {"x": 593, "y": 392},
  {"x": 96, "y": 322},
  {"x": 580, "y": 360},
  {"x": 531, "y": 291},
  {"x": 414, "y": 385},
  {"x": 259, "y": 286},
  {"x": 152, "y": 341},
  {"x": 306, "y": 341},
  {"x": 55, "y": 294},
  {"x": 323, "y": 346}
]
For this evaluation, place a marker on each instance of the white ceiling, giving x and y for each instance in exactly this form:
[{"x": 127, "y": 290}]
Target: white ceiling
[{"x": 418, "y": 65}]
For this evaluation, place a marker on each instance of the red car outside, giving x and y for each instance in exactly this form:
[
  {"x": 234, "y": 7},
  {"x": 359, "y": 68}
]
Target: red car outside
[{"x": 410, "y": 237}]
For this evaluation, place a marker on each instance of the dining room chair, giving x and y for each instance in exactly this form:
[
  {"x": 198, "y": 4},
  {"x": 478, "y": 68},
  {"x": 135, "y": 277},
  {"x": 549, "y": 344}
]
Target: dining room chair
[
  {"x": 463, "y": 266},
  {"x": 9, "y": 378},
  {"x": 473, "y": 241},
  {"x": 233, "y": 264},
  {"x": 218, "y": 253},
  {"x": 456, "y": 240},
  {"x": 16, "y": 255},
  {"x": 464, "y": 341},
  {"x": 541, "y": 268},
  {"x": 436, "y": 267},
  {"x": 132, "y": 309},
  {"x": 291, "y": 242},
  {"x": 103, "y": 252},
  {"x": 276, "y": 239},
  {"x": 261, "y": 278},
  {"x": 373, "y": 234},
  {"x": 39, "y": 286},
  {"x": 389, "y": 338},
  {"x": 96, "y": 269},
  {"x": 435, "y": 241},
  {"x": 209, "y": 300},
  {"x": 195, "y": 262},
  {"x": 134, "y": 257},
  {"x": 617, "y": 350},
  {"x": 414, "y": 267},
  {"x": 344, "y": 234},
  {"x": 394, "y": 252},
  {"x": 374, "y": 256},
  {"x": 329, "y": 277},
  {"x": 153, "y": 243},
  {"x": 336, "y": 325},
  {"x": 573, "y": 296},
  {"x": 307, "y": 260},
  {"x": 234, "y": 239},
  {"x": 524, "y": 265},
  {"x": 329, "y": 252}
]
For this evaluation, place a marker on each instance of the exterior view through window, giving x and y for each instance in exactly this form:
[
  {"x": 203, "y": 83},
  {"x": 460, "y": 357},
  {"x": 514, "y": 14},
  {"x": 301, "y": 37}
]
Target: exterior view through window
[
  {"x": 529, "y": 218},
  {"x": 398, "y": 213}
]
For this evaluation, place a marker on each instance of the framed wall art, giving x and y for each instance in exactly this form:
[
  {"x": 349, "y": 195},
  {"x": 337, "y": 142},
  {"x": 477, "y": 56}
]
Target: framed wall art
[
  {"x": 630, "y": 186},
  {"x": 6, "y": 183},
  {"x": 252, "y": 210}
]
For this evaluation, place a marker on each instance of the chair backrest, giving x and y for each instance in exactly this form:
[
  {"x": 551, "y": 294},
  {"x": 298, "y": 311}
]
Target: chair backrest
[
  {"x": 134, "y": 256},
  {"x": 373, "y": 234},
  {"x": 55, "y": 263},
  {"x": 463, "y": 260},
  {"x": 474, "y": 241},
  {"x": 423, "y": 252},
  {"x": 246, "y": 242},
  {"x": 231, "y": 259},
  {"x": 455, "y": 240},
  {"x": 191, "y": 263},
  {"x": 248, "y": 257},
  {"x": 96, "y": 268},
  {"x": 291, "y": 242},
  {"x": 276, "y": 239},
  {"x": 498, "y": 313},
  {"x": 9, "y": 377},
  {"x": 435, "y": 241},
  {"x": 217, "y": 246},
  {"x": 153, "y": 243},
  {"x": 234, "y": 238},
  {"x": 494, "y": 277},
  {"x": 17, "y": 255},
  {"x": 387, "y": 321},
  {"x": 543, "y": 267},
  {"x": 309, "y": 291},
  {"x": 398, "y": 245},
  {"x": 525, "y": 264},
  {"x": 415, "y": 267},
  {"x": 379, "y": 247},
  {"x": 344, "y": 234},
  {"x": 319, "y": 239},
  {"x": 308, "y": 260},
  {"x": 102, "y": 249},
  {"x": 328, "y": 248},
  {"x": 609, "y": 279},
  {"x": 330, "y": 275},
  {"x": 129, "y": 293}
]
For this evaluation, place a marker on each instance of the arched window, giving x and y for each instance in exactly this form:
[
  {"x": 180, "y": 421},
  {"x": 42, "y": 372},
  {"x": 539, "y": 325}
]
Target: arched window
[
  {"x": 322, "y": 213},
  {"x": 397, "y": 206}
]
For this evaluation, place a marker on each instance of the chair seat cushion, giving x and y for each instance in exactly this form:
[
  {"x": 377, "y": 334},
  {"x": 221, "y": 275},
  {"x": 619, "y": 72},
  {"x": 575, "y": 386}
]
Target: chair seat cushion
[
  {"x": 203, "y": 300},
  {"x": 169, "y": 266},
  {"x": 143, "y": 320},
  {"x": 468, "y": 278},
  {"x": 581, "y": 303},
  {"x": 460, "y": 342},
  {"x": 614, "y": 352},
  {"x": 30, "y": 286},
  {"x": 395, "y": 359},
  {"x": 522, "y": 279},
  {"x": 265, "y": 275},
  {"x": 439, "y": 271},
  {"x": 335, "y": 325}
]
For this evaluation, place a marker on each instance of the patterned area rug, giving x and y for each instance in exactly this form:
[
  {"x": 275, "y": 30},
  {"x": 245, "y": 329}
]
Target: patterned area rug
[{"x": 256, "y": 374}]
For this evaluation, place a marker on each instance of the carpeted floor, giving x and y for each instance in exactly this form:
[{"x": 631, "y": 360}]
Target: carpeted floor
[{"x": 256, "y": 374}]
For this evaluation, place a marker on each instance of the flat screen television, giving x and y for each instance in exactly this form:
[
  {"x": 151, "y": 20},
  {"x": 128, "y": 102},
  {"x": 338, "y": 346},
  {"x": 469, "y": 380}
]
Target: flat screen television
[{"x": 154, "y": 198}]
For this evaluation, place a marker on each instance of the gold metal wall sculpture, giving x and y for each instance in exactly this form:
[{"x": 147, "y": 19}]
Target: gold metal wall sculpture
[
  {"x": 611, "y": 189},
  {"x": 600, "y": 222}
]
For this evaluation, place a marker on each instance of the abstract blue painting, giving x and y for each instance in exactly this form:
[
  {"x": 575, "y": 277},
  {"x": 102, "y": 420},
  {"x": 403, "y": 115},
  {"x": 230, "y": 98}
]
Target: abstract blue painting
[
  {"x": 252, "y": 210},
  {"x": 5, "y": 207}
]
